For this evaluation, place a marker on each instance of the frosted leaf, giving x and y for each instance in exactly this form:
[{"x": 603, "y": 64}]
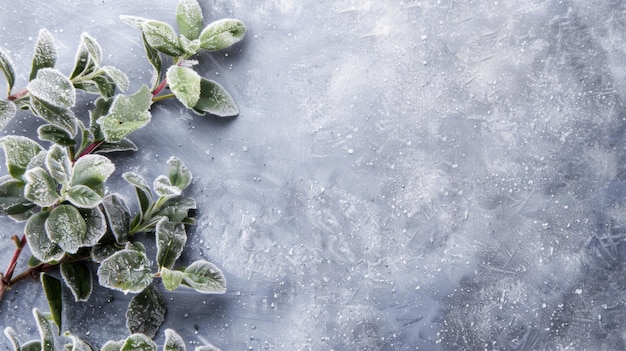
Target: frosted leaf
[
  {"x": 126, "y": 270},
  {"x": 77, "y": 344},
  {"x": 83, "y": 196},
  {"x": 146, "y": 312},
  {"x": 96, "y": 225},
  {"x": 78, "y": 278},
  {"x": 208, "y": 347},
  {"x": 155, "y": 60},
  {"x": 170, "y": 240},
  {"x": 54, "y": 294},
  {"x": 82, "y": 64},
  {"x": 133, "y": 21},
  {"x": 40, "y": 245},
  {"x": 93, "y": 48},
  {"x": 163, "y": 187},
  {"x": 119, "y": 77},
  {"x": 102, "y": 251},
  {"x": 12, "y": 199},
  {"x": 105, "y": 86},
  {"x": 205, "y": 277},
  {"x": 189, "y": 18},
  {"x": 144, "y": 195},
  {"x": 177, "y": 210},
  {"x": 66, "y": 227},
  {"x": 45, "y": 331},
  {"x": 53, "y": 87},
  {"x": 171, "y": 278},
  {"x": 12, "y": 336},
  {"x": 112, "y": 346},
  {"x": 127, "y": 114},
  {"x": 7, "y": 68},
  {"x": 56, "y": 135},
  {"x": 222, "y": 34},
  {"x": 56, "y": 115},
  {"x": 162, "y": 37},
  {"x": 138, "y": 342},
  {"x": 173, "y": 341},
  {"x": 118, "y": 216},
  {"x": 45, "y": 55},
  {"x": 18, "y": 151},
  {"x": 40, "y": 187},
  {"x": 38, "y": 160},
  {"x": 215, "y": 100},
  {"x": 123, "y": 145},
  {"x": 7, "y": 111},
  {"x": 59, "y": 164},
  {"x": 92, "y": 170},
  {"x": 185, "y": 84}
]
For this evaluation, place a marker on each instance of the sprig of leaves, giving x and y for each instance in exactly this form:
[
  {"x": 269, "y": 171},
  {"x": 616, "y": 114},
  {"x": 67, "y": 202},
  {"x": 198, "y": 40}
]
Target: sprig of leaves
[{"x": 57, "y": 186}]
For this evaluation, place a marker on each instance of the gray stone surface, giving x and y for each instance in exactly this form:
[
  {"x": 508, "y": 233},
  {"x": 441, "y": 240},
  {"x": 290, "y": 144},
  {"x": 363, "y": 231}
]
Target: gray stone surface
[{"x": 433, "y": 175}]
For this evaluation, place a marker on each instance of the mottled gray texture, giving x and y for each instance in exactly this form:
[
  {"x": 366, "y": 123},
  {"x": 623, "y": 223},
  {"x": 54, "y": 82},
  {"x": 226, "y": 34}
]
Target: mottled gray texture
[{"x": 444, "y": 175}]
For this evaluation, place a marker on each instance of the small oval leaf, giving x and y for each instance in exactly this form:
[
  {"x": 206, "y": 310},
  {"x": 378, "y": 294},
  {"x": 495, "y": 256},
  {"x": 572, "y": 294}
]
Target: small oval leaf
[
  {"x": 59, "y": 164},
  {"x": 138, "y": 342},
  {"x": 222, "y": 34},
  {"x": 78, "y": 278},
  {"x": 7, "y": 111},
  {"x": 92, "y": 170},
  {"x": 185, "y": 84},
  {"x": 66, "y": 227},
  {"x": 83, "y": 196},
  {"x": 18, "y": 151},
  {"x": 40, "y": 245},
  {"x": 127, "y": 114},
  {"x": 126, "y": 270},
  {"x": 205, "y": 277},
  {"x": 162, "y": 37},
  {"x": 45, "y": 53},
  {"x": 54, "y": 295},
  {"x": 163, "y": 187},
  {"x": 7, "y": 68},
  {"x": 178, "y": 173},
  {"x": 215, "y": 100},
  {"x": 119, "y": 77},
  {"x": 146, "y": 312},
  {"x": 96, "y": 225},
  {"x": 189, "y": 18},
  {"x": 53, "y": 87},
  {"x": 118, "y": 216},
  {"x": 171, "y": 278},
  {"x": 170, "y": 240},
  {"x": 45, "y": 331},
  {"x": 59, "y": 116},
  {"x": 40, "y": 187},
  {"x": 56, "y": 135},
  {"x": 173, "y": 341}
]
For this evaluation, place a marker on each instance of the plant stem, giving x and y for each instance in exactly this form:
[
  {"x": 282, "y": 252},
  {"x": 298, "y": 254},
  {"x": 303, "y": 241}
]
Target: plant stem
[
  {"x": 89, "y": 149},
  {"x": 18, "y": 95},
  {"x": 6, "y": 280},
  {"x": 160, "y": 87},
  {"x": 162, "y": 97}
]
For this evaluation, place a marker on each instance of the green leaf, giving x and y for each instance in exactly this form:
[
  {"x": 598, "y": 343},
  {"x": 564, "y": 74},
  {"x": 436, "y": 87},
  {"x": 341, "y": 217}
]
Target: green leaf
[
  {"x": 105, "y": 85},
  {"x": 173, "y": 341},
  {"x": 94, "y": 50},
  {"x": 113, "y": 345},
  {"x": 119, "y": 77},
  {"x": 92, "y": 171},
  {"x": 77, "y": 344},
  {"x": 54, "y": 295},
  {"x": 138, "y": 342},
  {"x": 177, "y": 210},
  {"x": 222, "y": 34},
  {"x": 40, "y": 187},
  {"x": 7, "y": 111},
  {"x": 171, "y": 278},
  {"x": 126, "y": 115},
  {"x": 82, "y": 196},
  {"x": 102, "y": 108},
  {"x": 66, "y": 227},
  {"x": 7, "y": 68},
  {"x": 189, "y": 18},
  {"x": 12, "y": 336},
  {"x": 123, "y": 145},
  {"x": 205, "y": 277},
  {"x": 162, "y": 37},
  {"x": 102, "y": 251},
  {"x": 59, "y": 164},
  {"x": 133, "y": 21},
  {"x": 45, "y": 53},
  {"x": 170, "y": 240},
  {"x": 78, "y": 278},
  {"x": 178, "y": 173},
  {"x": 40, "y": 245},
  {"x": 96, "y": 225},
  {"x": 118, "y": 216},
  {"x": 146, "y": 312},
  {"x": 56, "y": 115},
  {"x": 164, "y": 188},
  {"x": 57, "y": 135},
  {"x": 215, "y": 100},
  {"x": 144, "y": 195},
  {"x": 154, "y": 57},
  {"x": 12, "y": 199},
  {"x": 33, "y": 345},
  {"x": 18, "y": 151},
  {"x": 208, "y": 347},
  {"x": 53, "y": 87},
  {"x": 82, "y": 64},
  {"x": 126, "y": 270},
  {"x": 45, "y": 330},
  {"x": 185, "y": 84}
]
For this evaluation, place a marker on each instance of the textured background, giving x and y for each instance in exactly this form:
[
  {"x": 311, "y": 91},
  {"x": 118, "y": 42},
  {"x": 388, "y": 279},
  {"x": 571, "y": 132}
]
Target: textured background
[{"x": 435, "y": 175}]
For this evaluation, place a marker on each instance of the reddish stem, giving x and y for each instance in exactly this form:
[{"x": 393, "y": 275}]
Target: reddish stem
[
  {"x": 18, "y": 95},
  {"x": 160, "y": 87},
  {"x": 6, "y": 277},
  {"x": 89, "y": 149}
]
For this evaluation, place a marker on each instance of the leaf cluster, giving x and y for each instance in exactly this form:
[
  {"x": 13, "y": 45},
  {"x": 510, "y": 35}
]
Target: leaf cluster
[{"x": 57, "y": 185}]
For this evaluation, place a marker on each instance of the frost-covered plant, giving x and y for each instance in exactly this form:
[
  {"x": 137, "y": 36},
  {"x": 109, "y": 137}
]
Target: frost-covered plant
[
  {"x": 57, "y": 186},
  {"x": 136, "y": 341}
]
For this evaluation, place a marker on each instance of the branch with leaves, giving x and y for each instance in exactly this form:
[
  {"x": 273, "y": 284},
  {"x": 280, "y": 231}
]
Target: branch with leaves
[{"x": 57, "y": 186}]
